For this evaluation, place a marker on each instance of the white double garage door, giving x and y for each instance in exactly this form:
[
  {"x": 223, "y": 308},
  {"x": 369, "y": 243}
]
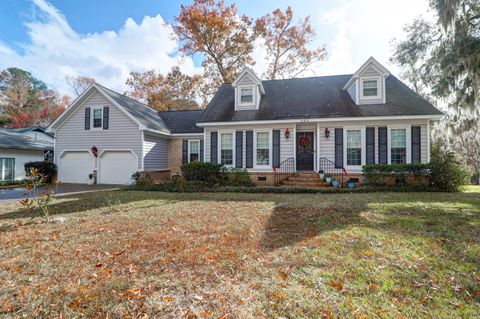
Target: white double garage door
[{"x": 113, "y": 167}]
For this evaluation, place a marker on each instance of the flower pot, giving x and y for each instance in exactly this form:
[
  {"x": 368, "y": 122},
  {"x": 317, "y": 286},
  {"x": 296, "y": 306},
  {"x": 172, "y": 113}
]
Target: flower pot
[
  {"x": 322, "y": 175},
  {"x": 335, "y": 183},
  {"x": 351, "y": 185},
  {"x": 328, "y": 179}
]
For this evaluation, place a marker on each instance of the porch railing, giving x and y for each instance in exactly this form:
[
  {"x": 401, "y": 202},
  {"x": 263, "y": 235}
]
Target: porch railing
[
  {"x": 329, "y": 169},
  {"x": 284, "y": 170}
]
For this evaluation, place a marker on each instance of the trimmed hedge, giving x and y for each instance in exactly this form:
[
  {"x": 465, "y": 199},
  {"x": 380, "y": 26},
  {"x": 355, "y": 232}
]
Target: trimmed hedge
[
  {"x": 379, "y": 174},
  {"x": 199, "y": 187},
  {"x": 209, "y": 173},
  {"x": 47, "y": 169}
]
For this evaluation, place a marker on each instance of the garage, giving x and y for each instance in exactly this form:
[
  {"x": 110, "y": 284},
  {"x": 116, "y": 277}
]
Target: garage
[
  {"x": 75, "y": 166},
  {"x": 116, "y": 167}
]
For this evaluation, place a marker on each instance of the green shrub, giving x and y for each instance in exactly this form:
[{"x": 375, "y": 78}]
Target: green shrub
[
  {"x": 447, "y": 174},
  {"x": 141, "y": 179},
  {"x": 379, "y": 174},
  {"x": 238, "y": 177},
  {"x": 47, "y": 170},
  {"x": 209, "y": 173}
]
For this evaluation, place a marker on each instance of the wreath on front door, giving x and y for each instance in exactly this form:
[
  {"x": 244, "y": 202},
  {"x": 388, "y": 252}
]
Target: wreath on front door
[{"x": 305, "y": 144}]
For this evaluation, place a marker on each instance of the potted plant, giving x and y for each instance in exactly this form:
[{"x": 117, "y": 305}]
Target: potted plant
[
  {"x": 321, "y": 173},
  {"x": 335, "y": 183},
  {"x": 328, "y": 179},
  {"x": 352, "y": 182}
]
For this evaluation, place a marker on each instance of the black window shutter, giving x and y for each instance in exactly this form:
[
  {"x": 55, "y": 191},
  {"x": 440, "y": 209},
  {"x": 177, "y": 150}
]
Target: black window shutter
[
  {"x": 185, "y": 151},
  {"x": 276, "y": 148},
  {"x": 416, "y": 145},
  {"x": 238, "y": 149},
  {"x": 87, "y": 118},
  {"x": 201, "y": 151},
  {"x": 382, "y": 145},
  {"x": 106, "y": 112},
  {"x": 249, "y": 149},
  {"x": 213, "y": 147},
  {"x": 339, "y": 148},
  {"x": 370, "y": 144}
]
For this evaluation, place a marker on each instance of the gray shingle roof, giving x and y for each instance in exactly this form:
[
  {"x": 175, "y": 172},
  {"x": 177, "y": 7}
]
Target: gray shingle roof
[
  {"x": 182, "y": 121},
  {"x": 146, "y": 115},
  {"x": 315, "y": 97},
  {"x": 18, "y": 141}
]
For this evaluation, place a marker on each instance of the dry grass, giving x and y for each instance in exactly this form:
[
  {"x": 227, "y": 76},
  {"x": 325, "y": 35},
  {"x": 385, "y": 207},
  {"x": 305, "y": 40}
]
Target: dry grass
[{"x": 128, "y": 254}]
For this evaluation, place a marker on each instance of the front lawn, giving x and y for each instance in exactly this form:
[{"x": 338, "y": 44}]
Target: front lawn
[{"x": 129, "y": 253}]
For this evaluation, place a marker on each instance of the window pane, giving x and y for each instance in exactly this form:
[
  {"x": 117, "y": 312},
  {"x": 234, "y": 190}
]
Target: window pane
[
  {"x": 399, "y": 137},
  {"x": 246, "y": 95},
  {"x": 226, "y": 141},
  {"x": 263, "y": 148},
  {"x": 399, "y": 155},
  {"x": 193, "y": 146},
  {"x": 97, "y": 118},
  {"x": 7, "y": 166},
  {"x": 226, "y": 148},
  {"x": 354, "y": 138},
  {"x": 193, "y": 157},
  {"x": 370, "y": 88},
  {"x": 399, "y": 146},
  {"x": 354, "y": 147}
]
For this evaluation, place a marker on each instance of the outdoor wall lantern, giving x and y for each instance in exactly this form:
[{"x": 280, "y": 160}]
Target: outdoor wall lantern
[
  {"x": 327, "y": 132},
  {"x": 287, "y": 133}
]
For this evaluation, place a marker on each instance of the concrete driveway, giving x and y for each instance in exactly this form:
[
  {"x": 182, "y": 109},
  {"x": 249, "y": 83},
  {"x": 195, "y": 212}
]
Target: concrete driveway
[{"x": 10, "y": 194}]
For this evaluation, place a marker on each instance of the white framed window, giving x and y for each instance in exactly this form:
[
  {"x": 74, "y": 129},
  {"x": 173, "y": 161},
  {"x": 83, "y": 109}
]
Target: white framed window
[
  {"x": 97, "y": 118},
  {"x": 399, "y": 146},
  {"x": 263, "y": 150},
  {"x": 193, "y": 150},
  {"x": 246, "y": 96},
  {"x": 370, "y": 88},
  {"x": 226, "y": 148},
  {"x": 354, "y": 147},
  {"x": 7, "y": 167}
]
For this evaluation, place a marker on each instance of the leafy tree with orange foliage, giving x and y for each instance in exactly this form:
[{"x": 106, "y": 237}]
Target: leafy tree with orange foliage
[
  {"x": 219, "y": 34},
  {"x": 26, "y": 101},
  {"x": 175, "y": 91},
  {"x": 287, "y": 45}
]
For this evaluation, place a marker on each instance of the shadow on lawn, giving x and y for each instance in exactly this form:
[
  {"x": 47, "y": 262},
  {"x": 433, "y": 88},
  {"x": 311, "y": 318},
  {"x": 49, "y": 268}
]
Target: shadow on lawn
[{"x": 287, "y": 225}]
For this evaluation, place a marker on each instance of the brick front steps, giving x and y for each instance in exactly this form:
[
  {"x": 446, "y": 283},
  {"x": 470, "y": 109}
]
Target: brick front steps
[{"x": 308, "y": 180}]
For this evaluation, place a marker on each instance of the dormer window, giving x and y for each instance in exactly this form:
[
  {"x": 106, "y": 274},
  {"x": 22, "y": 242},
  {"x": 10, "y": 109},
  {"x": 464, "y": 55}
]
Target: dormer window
[
  {"x": 246, "y": 96},
  {"x": 370, "y": 88}
]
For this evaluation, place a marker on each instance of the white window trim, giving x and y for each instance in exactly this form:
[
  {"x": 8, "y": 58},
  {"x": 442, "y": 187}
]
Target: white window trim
[
  {"x": 270, "y": 153},
  {"x": 92, "y": 111},
  {"x": 370, "y": 78},
  {"x": 219, "y": 147},
  {"x": 190, "y": 141},
  {"x": 363, "y": 147},
  {"x": 408, "y": 141},
  {"x": 253, "y": 104}
]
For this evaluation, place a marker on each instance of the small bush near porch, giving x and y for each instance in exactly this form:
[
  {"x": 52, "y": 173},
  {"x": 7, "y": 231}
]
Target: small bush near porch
[{"x": 127, "y": 254}]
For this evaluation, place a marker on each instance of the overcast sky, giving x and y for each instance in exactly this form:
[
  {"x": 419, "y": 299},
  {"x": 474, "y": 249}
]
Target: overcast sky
[{"x": 108, "y": 39}]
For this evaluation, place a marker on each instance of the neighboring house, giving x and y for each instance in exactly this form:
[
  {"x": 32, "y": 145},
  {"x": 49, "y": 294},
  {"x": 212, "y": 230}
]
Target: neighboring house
[
  {"x": 20, "y": 146},
  {"x": 306, "y": 124}
]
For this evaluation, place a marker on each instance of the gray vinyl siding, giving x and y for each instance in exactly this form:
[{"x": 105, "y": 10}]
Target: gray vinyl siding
[
  {"x": 327, "y": 145},
  {"x": 155, "y": 152},
  {"x": 352, "y": 90},
  {"x": 123, "y": 132},
  {"x": 287, "y": 145},
  {"x": 424, "y": 143},
  {"x": 246, "y": 80}
]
